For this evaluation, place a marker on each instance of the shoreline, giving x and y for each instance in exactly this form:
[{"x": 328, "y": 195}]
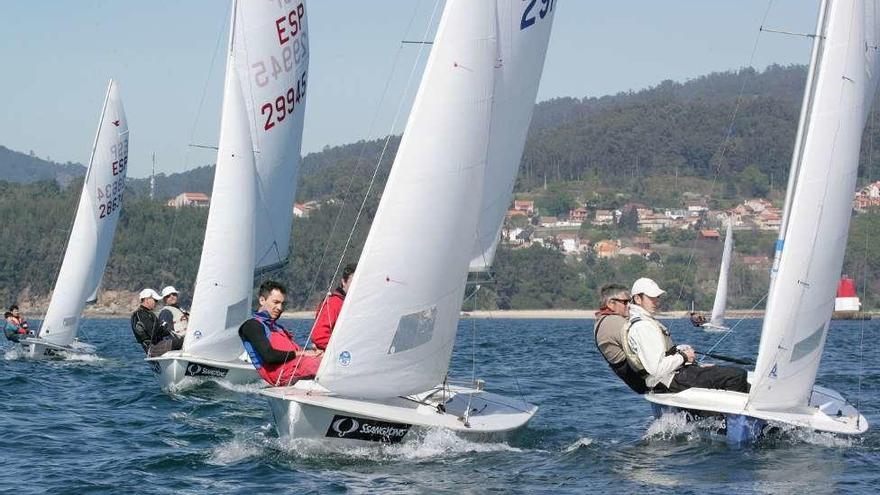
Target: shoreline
[{"x": 512, "y": 314}]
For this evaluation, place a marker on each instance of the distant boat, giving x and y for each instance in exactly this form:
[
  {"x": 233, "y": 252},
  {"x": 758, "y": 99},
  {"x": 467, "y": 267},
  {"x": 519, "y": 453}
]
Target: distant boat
[
  {"x": 386, "y": 367},
  {"x": 91, "y": 236},
  {"x": 249, "y": 221},
  {"x": 716, "y": 321},
  {"x": 847, "y": 305},
  {"x": 841, "y": 85}
]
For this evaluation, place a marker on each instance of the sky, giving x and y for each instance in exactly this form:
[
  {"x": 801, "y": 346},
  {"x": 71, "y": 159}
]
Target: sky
[{"x": 169, "y": 55}]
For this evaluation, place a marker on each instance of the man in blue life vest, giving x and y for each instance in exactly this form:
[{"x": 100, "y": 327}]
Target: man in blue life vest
[
  {"x": 273, "y": 352},
  {"x": 667, "y": 367}
]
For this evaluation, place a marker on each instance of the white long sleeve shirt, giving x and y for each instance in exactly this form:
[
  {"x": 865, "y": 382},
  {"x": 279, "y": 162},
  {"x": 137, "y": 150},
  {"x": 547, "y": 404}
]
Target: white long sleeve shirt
[{"x": 647, "y": 340}]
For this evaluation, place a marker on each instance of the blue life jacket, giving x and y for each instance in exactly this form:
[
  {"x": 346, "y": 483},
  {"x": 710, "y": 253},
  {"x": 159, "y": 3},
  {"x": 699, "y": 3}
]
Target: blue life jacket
[{"x": 269, "y": 326}]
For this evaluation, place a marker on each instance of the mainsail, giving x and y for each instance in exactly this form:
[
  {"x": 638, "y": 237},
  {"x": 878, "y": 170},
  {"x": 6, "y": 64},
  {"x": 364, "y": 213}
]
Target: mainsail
[
  {"x": 522, "y": 41},
  {"x": 397, "y": 328},
  {"x": 251, "y": 206},
  {"x": 818, "y": 213},
  {"x": 720, "y": 304},
  {"x": 270, "y": 51},
  {"x": 91, "y": 235}
]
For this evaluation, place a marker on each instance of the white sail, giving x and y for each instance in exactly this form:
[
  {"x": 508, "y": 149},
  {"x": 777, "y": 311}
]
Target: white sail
[
  {"x": 802, "y": 293},
  {"x": 720, "y": 304},
  {"x": 251, "y": 205},
  {"x": 91, "y": 235},
  {"x": 397, "y": 328},
  {"x": 222, "y": 296},
  {"x": 270, "y": 51},
  {"x": 523, "y": 35}
]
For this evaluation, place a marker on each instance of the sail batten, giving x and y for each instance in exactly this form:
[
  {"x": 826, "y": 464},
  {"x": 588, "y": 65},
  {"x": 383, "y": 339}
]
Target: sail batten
[
  {"x": 93, "y": 228},
  {"x": 802, "y": 292}
]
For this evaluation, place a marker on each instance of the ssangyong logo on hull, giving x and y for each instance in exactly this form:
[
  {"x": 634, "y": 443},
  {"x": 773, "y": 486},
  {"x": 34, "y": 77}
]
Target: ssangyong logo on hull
[
  {"x": 195, "y": 369},
  {"x": 371, "y": 430}
]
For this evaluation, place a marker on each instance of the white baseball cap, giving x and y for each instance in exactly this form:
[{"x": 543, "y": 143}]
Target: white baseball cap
[
  {"x": 149, "y": 293},
  {"x": 168, "y": 291},
  {"x": 647, "y": 287}
]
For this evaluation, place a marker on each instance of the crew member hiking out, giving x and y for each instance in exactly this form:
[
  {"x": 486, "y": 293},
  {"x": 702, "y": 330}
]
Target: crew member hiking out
[
  {"x": 665, "y": 366},
  {"x": 11, "y": 329},
  {"x": 612, "y": 321},
  {"x": 329, "y": 309},
  {"x": 145, "y": 324},
  {"x": 273, "y": 352}
]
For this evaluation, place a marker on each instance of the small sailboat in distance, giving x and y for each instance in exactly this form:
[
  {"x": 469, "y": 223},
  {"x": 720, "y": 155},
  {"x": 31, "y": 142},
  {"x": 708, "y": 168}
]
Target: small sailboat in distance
[
  {"x": 716, "y": 321},
  {"x": 841, "y": 85},
  {"x": 91, "y": 236},
  {"x": 249, "y": 221},
  {"x": 385, "y": 370}
]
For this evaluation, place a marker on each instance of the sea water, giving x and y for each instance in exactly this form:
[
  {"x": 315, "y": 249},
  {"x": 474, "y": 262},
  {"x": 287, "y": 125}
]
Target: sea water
[{"x": 102, "y": 425}]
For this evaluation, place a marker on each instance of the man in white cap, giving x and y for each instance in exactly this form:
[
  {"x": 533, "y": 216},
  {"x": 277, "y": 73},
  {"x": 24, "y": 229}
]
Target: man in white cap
[
  {"x": 144, "y": 322},
  {"x": 173, "y": 318},
  {"x": 665, "y": 366}
]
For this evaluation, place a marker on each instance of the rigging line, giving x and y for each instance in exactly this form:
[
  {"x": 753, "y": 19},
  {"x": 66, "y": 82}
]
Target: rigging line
[
  {"x": 358, "y": 162},
  {"x": 192, "y": 132},
  {"x": 869, "y": 173},
  {"x": 733, "y": 327},
  {"x": 723, "y": 146},
  {"x": 385, "y": 147},
  {"x": 378, "y": 163}
]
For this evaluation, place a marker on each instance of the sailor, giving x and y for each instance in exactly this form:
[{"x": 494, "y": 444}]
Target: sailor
[
  {"x": 697, "y": 319},
  {"x": 18, "y": 318},
  {"x": 145, "y": 324},
  {"x": 273, "y": 352},
  {"x": 173, "y": 318},
  {"x": 612, "y": 320},
  {"x": 665, "y": 366},
  {"x": 11, "y": 329},
  {"x": 328, "y": 310}
]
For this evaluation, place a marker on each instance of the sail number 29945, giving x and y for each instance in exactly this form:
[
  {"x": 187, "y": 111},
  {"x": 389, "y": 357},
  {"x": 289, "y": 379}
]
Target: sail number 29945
[
  {"x": 283, "y": 105},
  {"x": 530, "y": 16}
]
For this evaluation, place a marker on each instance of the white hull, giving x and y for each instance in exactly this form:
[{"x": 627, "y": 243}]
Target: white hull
[
  {"x": 37, "y": 348},
  {"x": 175, "y": 366},
  {"x": 828, "y": 410},
  {"x": 709, "y": 327},
  {"x": 304, "y": 411}
]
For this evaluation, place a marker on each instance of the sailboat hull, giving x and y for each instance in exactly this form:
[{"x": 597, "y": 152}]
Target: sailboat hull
[
  {"x": 37, "y": 348},
  {"x": 175, "y": 367},
  {"x": 301, "y": 411},
  {"x": 828, "y": 412}
]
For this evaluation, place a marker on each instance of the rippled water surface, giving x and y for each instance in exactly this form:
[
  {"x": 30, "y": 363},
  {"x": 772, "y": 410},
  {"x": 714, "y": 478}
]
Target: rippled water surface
[{"x": 103, "y": 426}]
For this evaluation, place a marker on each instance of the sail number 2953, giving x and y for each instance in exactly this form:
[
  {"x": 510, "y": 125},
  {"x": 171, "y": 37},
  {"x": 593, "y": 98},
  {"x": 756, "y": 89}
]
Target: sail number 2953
[
  {"x": 283, "y": 105},
  {"x": 530, "y": 16}
]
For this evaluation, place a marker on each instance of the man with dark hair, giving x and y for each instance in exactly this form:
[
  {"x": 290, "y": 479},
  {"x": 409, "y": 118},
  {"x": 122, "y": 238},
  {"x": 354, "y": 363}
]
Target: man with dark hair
[
  {"x": 18, "y": 318},
  {"x": 273, "y": 352},
  {"x": 329, "y": 309},
  {"x": 145, "y": 324},
  {"x": 11, "y": 329},
  {"x": 612, "y": 319}
]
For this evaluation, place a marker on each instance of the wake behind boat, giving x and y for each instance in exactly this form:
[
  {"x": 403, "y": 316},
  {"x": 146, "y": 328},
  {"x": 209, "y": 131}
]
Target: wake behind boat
[
  {"x": 809, "y": 252},
  {"x": 385, "y": 368},
  {"x": 249, "y": 221},
  {"x": 91, "y": 237}
]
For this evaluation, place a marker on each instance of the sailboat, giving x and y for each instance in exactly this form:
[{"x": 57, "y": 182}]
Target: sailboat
[
  {"x": 91, "y": 236},
  {"x": 385, "y": 370},
  {"x": 249, "y": 221},
  {"x": 716, "y": 321},
  {"x": 840, "y": 87}
]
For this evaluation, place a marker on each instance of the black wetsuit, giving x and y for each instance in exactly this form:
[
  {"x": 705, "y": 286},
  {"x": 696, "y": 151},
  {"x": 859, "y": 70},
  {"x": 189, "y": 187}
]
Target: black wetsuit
[{"x": 147, "y": 328}]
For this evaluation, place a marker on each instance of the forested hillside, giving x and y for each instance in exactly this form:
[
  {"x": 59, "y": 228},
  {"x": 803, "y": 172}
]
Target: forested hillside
[{"x": 650, "y": 146}]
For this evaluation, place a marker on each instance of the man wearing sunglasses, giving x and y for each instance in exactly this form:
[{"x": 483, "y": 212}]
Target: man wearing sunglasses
[
  {"x": 665, "y": 366},
  {"x": 612, "y": 320}
]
